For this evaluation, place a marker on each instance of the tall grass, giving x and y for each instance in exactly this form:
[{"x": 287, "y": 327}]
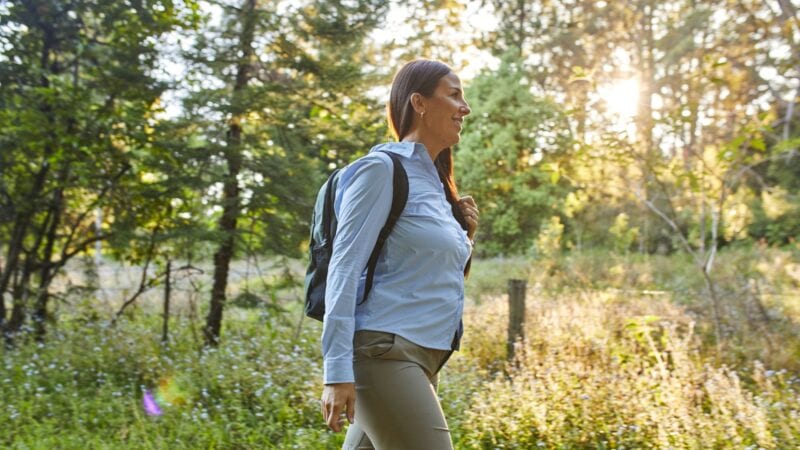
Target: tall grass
[
  {"x": 85, "y": 389},
  {"x": 759, "y": 289},
  {"x": 618, "y": 353},
  {"x": 611, "y": 371}
]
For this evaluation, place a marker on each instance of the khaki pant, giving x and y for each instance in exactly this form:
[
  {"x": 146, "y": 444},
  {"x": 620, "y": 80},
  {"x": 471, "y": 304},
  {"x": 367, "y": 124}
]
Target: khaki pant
[{"x": 396, "y": 403}]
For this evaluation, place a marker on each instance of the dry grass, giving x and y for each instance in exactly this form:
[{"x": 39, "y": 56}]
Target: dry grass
[{"x": 610, "y": 369}]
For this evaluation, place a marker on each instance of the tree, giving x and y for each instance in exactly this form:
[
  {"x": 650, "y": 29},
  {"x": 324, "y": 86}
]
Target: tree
[
  {"x": 277, "y": 95},
  {"x": 509, "y": 156},
  {"x": 703, "y": 70},
  {"x": 77, "y": 95}
]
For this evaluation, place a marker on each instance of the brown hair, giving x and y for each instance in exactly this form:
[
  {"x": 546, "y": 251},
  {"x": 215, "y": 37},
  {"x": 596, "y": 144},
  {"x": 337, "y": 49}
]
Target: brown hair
[{"x": 422, "y": 76}]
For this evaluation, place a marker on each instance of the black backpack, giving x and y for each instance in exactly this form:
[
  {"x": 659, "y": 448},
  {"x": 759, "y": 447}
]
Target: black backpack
[{"x": 323, "y": 230}]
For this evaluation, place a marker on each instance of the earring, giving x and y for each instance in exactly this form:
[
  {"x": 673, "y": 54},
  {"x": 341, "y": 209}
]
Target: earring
[{"x": 422, "y": 114}]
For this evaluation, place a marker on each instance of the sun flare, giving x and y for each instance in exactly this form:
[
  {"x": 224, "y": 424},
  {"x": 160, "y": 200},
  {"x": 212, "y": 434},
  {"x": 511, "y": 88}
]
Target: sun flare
[{"x": 621, "y": 97}]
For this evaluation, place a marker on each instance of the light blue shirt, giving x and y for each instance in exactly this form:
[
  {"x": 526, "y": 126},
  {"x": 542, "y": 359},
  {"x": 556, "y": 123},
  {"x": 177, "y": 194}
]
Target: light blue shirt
[{"x": 418, "y": 288}]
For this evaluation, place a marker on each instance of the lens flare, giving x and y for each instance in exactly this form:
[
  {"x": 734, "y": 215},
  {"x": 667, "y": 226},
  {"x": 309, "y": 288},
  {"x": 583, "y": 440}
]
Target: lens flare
[
  {"x": 167, "y": 394},
  {"x": 150, "y": 405}
]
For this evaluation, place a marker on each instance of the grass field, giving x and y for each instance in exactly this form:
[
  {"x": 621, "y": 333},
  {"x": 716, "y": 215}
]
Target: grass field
[{"x": 619, "y": 353}]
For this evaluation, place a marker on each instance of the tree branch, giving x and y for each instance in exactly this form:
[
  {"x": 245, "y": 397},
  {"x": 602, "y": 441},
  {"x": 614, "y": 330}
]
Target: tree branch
[{"x": 670, "y": 222}]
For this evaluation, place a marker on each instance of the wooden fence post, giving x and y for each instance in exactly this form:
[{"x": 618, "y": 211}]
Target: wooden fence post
[{"x": 516, "y": 313}]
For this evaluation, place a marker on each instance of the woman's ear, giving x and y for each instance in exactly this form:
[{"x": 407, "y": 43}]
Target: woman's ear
[{"x": 418, "y": 103}]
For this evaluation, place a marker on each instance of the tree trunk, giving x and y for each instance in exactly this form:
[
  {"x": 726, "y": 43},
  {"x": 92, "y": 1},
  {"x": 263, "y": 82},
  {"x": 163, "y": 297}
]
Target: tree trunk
[
  {"x": 644, "y": 113},
  {"x": 231, "y": 201},
  {"x": 646, "y": 60},
  {"x": 28, "y": 206},
  {"x": 712, "y": 293},
  {"x": 20, "y": 293},
  {"x": 2, "y": 301},
  {"x": 48, "y": 269},
  {"x": 521, "y": 21},
  {"x": 167, "y": 293},
  {"x": 21, "y": 225},
  {"x": 21, "y": 289}
]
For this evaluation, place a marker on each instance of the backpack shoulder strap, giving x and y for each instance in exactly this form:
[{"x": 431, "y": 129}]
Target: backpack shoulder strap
[
  {"x": 399, "y": 199},
  {"x": 328, "y": 216}
]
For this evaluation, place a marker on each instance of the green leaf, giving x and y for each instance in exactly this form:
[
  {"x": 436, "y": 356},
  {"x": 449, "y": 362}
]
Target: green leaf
[{"x": 758, "y": 144}]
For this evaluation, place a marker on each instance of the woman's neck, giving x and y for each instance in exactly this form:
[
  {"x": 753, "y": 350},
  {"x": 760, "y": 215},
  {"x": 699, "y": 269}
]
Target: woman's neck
[{"x": 430, "y": 145}]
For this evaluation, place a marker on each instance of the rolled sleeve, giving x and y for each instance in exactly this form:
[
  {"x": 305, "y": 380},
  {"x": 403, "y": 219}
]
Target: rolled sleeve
[{"x": 364, "y": 198}]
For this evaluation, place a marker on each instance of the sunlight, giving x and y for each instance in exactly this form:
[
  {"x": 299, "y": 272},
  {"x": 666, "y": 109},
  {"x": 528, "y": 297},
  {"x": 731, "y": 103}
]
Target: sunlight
[{"x": 621, "y": 97}]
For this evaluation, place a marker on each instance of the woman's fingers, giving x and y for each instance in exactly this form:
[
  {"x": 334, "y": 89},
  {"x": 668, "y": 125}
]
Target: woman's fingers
[
  {"x": 468, "y": 207},
  {"x": 329, "y": 410},
  {"x": 332, "y": 416},
  {"x": 335, "y": 421},
  {"x": 336, "y": 400},
  {"x": 351, "y": 409},
  {"x": 470, "y": 213},
  {"x": 467, "y": 199}
]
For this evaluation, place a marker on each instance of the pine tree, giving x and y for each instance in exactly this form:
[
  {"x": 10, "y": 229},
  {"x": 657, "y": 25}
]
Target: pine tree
[
  {"x": 278, "y": 95},
  {"x": 509, "y": 155}
]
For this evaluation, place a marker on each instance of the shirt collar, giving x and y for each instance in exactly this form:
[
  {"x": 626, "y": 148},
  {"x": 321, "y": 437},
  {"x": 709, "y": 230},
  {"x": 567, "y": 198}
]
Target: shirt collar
[{"x": 405, "y": 149}]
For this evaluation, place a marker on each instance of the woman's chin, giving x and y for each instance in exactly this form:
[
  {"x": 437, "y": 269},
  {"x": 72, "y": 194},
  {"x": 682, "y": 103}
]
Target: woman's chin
[{"x": 455, "y": 139}]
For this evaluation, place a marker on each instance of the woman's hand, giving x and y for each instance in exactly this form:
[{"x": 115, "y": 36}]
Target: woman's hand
[
  {"x": 470, "y": 210},
  {"x": 336, "y": 399}
]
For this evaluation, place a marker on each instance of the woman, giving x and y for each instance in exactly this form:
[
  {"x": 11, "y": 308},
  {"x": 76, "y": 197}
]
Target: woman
[{"x": 382, "y": 356}]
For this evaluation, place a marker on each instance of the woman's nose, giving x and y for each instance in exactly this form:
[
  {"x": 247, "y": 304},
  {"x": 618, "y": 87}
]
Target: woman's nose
[{"x": 465, "y": 109}]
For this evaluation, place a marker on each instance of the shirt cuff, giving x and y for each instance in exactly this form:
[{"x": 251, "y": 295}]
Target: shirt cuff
[{"x": 338, "y": 371}]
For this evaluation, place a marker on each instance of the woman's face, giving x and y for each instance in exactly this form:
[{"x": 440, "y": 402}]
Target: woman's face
[{"x": 445, "y": 111}]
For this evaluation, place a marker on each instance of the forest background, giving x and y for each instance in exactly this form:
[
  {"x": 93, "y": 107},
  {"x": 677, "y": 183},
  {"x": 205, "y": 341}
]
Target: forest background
[{"x": 636, "y": 163}]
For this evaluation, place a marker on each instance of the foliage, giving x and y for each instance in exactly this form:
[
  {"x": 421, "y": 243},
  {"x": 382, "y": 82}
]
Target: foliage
[
  {"x": 758, "y": 287},
  {"x": 606, "y": 364},
  {"x": 699, "y": 71},
  {"x": 79, "y": 97},
  {"x": 776, "y": 212},
  {"x": 548, "y": 243},
  {"x": 510, "y": 151},
  {"x": 605, "y": 371},
  {"x": 621, "y": 349},
  {"x": 259, "y": 390},
  {"x": 274, "y": 96},
  {"x": 300, "y": 107},
  {"x": 624, "y": 234}
]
